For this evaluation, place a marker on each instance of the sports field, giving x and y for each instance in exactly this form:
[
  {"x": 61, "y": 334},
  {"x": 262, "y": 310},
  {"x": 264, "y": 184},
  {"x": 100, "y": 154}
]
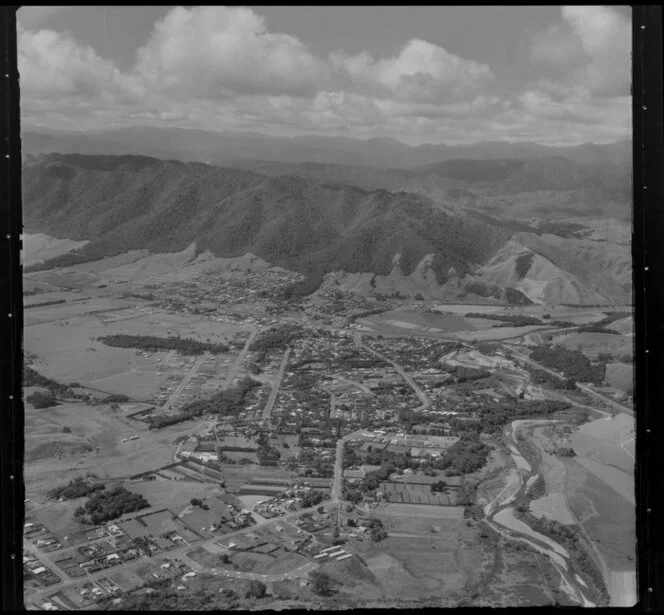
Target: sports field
[{"x": 417, "y": 322}]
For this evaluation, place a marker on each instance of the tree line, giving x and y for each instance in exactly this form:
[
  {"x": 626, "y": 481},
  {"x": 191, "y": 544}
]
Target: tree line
[
  {"x": 228, "y": 402},
  {"x": 110, "y": 504},
  {"x": 151, "y": 343},
  {"x": 572, "y": 363}
]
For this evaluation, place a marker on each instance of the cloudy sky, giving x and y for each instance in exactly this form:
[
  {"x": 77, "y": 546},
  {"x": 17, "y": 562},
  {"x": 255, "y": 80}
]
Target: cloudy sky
[{"x": 554, "y": 75}]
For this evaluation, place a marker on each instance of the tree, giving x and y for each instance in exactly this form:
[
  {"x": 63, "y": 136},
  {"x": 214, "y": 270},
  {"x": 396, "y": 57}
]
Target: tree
[
  {"x": 256, "y": 589},
  {"x": 41, "y": 399},
  {"x": 321, "y": 584}
]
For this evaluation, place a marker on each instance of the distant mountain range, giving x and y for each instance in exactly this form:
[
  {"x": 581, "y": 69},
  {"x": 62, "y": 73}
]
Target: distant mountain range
[
  {"x": 305, "y": 222},
  {"x": 223, "y": 148}
]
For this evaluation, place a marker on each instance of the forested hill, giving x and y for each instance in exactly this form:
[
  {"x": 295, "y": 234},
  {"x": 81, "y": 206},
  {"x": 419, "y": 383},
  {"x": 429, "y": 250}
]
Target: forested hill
[{"x": 120, "y": 203}]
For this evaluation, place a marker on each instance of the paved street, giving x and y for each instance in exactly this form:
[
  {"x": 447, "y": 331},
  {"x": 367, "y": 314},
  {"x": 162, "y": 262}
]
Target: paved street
[
  {"x": 240, "y": 359},
  {"x": 267, "y": 411},
  {"x": 425, "y": 402},
  {"x": 185, "y": 381}
]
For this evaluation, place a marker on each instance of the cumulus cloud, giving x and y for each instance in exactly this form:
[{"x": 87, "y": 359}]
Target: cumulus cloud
[
  {"x": 591, "y": 46},
  {"x": 217, "y": 51},
  {"x": 52, "y": 65},
  {"x": 421, "y": 72},
  {"x": 607, "y": 43},
  {"x": 221, "y": 68}
]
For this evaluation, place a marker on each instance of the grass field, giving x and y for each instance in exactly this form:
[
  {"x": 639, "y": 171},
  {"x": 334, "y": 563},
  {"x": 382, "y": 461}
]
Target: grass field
[
  {"x": 443, "y": 526},
  {"x": 552, "y": 506},
  {"x": 68, "y": 350},
  {"x": 595, "y": 343},
  {"x": 99, "y": 426},
  {"x": 600, "y": 441},
  {"x": 417, "y": 567},
  {"x": 491, "y": 335},
  {"x": 421, "y": 511},
  {"x": 417, "y": 322},
  {"x": 610, "y": 520},
  {"x": 519, "y": 580},
  {"x": 620, "y": 376},
  {"x": 176, "y": 496}
]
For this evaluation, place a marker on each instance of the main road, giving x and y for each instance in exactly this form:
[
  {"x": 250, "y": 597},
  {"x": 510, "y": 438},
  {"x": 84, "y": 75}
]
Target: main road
[
  {"x": 185, "y": 381},
  {"x": 425, "y": 402},
  {"x": 241, "y": 357},
  {"x": 267, "y": 411}
]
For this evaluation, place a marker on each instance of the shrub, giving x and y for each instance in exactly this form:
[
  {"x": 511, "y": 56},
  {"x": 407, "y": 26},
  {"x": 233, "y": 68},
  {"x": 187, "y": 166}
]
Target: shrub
[
  {"x": 256, "y": 589},
  {"x": 76, "y": 488},
  {"x": 321, "y": 583},
  {"x": 40, "y": 399},
  {"x": 183, "y": 345}
]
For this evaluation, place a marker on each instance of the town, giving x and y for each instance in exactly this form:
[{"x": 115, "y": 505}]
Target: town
[{"x": 265, "y": 443}]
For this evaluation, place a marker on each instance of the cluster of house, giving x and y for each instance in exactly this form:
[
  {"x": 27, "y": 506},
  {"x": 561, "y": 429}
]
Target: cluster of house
[
  {"x": 40, "y": 536},
  {"x": 412, "y": 353},
  {"x": 290, "y": 499},
  {"x": 207, "y": 293},
  {"x": 33, "y": 568},
  {"x": 395, "y": 441},
  {"x": 257, "y": 543},
  {"x": 313, "y": 523}
]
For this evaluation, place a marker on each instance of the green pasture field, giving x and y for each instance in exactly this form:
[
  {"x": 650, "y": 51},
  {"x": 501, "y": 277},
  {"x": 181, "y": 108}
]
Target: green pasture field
[{"x": 609, "y": 520}]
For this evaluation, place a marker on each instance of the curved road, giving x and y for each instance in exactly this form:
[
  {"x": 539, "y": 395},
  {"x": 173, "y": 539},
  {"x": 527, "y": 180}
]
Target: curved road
[{"x": 425, "y": 402}]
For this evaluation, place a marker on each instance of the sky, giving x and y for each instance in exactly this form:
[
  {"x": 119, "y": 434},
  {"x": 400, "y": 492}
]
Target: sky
[{"x": 556, "y": 75}]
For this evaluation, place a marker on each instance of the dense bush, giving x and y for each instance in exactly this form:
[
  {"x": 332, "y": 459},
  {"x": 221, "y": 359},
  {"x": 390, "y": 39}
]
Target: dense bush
[
  {"x": 76, "y": 488},
  {"x": 115, "y": 399},
  {"x": 225, "y": 403},
  {"x": 276, "y": 339},
  {"x": 44, "y": 303},
  {"x": 183, "y": 345},
  {"x": 571, "y": 363},
  {"x": 462, "y": 373},
  {"x": 493, "y": 416},
  {"x": 268, "y": 456},
  {"x": 321, "y": 583},
  {"x": 539, "y": 376},
  {"x": 31, "y": 378},
  {"x": 596, "y": 328},
  {"x": 113, "y": 503},
  {"x": 312, "y": 499},
  {"x": 441, "y": 485},
  {"x": 256, "y": 589},
  {"x": 465, "y": 456},
  {"x": 41, "y": 399}
]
